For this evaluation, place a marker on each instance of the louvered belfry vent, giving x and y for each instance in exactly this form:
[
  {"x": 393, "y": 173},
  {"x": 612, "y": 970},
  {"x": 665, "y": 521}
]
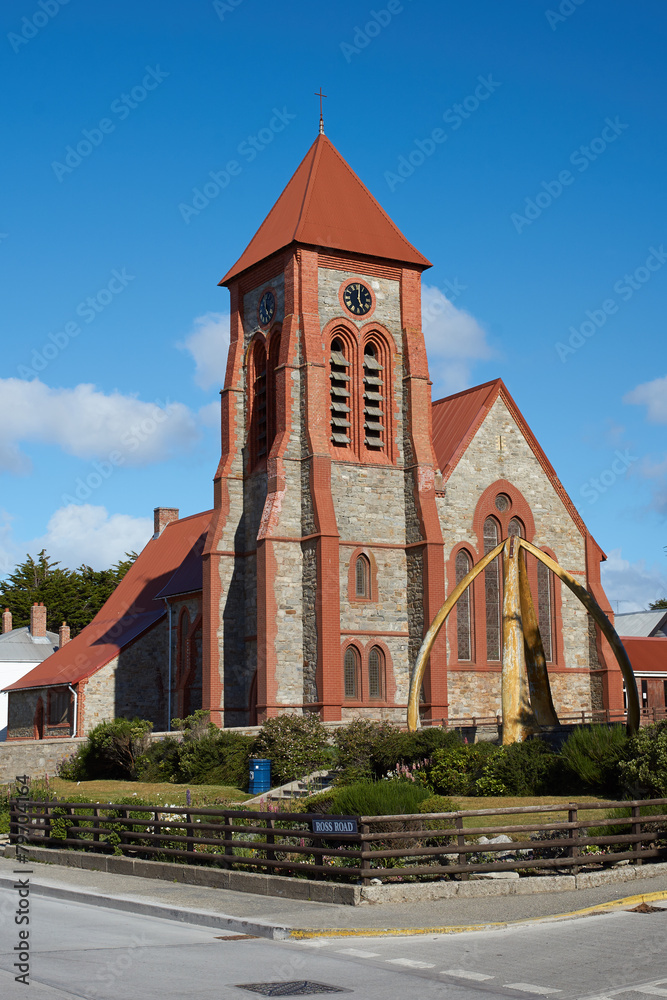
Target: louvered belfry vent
[
  {"x": 374, "y": 414},
  {"x": 340, "y": 396},
  {"x": 260, "y": 399}
]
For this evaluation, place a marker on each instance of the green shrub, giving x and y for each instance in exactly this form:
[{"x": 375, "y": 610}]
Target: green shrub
[
  {"x": 216, "y": 758},
  {"x": 378, "y": 798},
  {"x": 528, "y": 768},
  {"x": 112, "y": 751},
  {"x": 644, "y": 772},
  {"x": 296, "y": 745},
  {"x": 362, "y": 750},
  {"x": 591, "y": 756},
  {"x": 160, "y": 761},
  {"x": 455, "y": 770}
]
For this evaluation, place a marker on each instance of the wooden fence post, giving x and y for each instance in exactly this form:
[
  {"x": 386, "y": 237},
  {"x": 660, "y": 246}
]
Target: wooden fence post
[
  {"x": 96, "y": 825},
  {"x": 270, "y": 839},
  {"x": 637, "y": 829},
  {"x": 573, "y": 834},
  {"x": 365, "y": 862},
  {"x": 461, "y": 840},
  {"x": 227, "y": 836}
]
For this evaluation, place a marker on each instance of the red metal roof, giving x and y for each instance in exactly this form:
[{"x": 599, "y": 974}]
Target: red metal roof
[
  {"x": 325, "y": 204},
  {"x": 457, "y": 418},
  {"x": 647, "y": 653},
  {"x": 135, "y": 605}
]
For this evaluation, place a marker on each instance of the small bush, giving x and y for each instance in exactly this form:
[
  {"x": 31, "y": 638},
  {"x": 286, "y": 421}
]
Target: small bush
[
  {"x": 112, "y": 750},
  {"x": 455, "y": 770},
  {"x": 591, "y": 756},
  {"x": 528, "y": 768},
  {"x": 159, "y": 762},
  {"x": 378, "y": 798},
  {"x": 366, "y": 750},
  {"x": 438, "y": 804},
  {"x": 644, "y": 772},
  {"x": 296, "y": 745},
  {"x": 216, "y": 758}
]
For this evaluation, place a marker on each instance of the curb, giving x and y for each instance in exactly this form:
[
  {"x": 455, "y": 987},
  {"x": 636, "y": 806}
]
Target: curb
[
  {"x": 599, "y": 908},
  {"x": 202, "y": 918}
]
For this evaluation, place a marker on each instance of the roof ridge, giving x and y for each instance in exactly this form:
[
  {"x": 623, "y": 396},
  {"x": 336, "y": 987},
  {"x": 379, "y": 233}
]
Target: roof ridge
[{"x": 464, "y": 392}]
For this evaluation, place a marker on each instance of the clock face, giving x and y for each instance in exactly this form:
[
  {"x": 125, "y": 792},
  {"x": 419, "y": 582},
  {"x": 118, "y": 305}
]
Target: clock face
[
  {"x": 267, "y": 307},
  {"x": 357, "y": 298}
]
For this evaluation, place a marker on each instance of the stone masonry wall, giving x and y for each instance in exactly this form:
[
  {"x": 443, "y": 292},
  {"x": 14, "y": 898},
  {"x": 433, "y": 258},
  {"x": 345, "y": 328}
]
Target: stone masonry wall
[{"x": 484, "y": 462}]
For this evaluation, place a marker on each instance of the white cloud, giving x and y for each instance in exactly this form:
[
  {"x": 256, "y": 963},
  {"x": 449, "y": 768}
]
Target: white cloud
[
  {"x": 454, "y": 341},
  {"x": 8, "y": 552},
  {"x": 208, "y": 343},
  {"x": 652, "y": 395},
  {"x": 209, "y": 415},
  {"x": 88, "y": 423},
  {"x": 83, "y": 533},
  {"x": 632, "y": 586}
]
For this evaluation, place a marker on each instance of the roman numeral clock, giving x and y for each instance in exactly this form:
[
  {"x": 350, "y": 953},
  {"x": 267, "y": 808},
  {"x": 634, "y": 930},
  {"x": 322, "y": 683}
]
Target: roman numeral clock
[{"x": 357, "y": 298}]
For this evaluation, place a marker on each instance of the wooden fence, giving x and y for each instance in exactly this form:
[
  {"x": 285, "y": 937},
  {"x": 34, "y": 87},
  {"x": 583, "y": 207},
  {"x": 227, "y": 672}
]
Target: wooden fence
[{"x": 429, "y": 844}]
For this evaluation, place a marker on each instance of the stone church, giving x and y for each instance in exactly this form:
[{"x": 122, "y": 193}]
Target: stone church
[{"x": 346, "y": 504}]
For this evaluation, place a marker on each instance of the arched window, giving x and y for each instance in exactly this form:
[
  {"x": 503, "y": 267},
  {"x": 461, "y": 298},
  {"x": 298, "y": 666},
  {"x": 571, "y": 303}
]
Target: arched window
[
  {"x": 273, "y": 362},
  {"x": 183, "y": 646},
  {"x": 545, "y": 608},
  {"x": 374, "y": 401},
  {"x": 351, "y": 674},
  {"x": 341, "y": 426},
  {"x": 492, "y": 592},
  {"x": 362, "y": 577},
  {"x": 375, "y": 674},
  {"x": 258, "y": 410},
  {"x": 515, "y": 527},
  {"x": 464, "y": 608}
]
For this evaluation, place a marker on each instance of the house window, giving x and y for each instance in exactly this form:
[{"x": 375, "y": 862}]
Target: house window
[
  {"x": 545, "y": 608},
  {"x": 375, "y": 674},
  {"x": 644, "y": 695},
  {"x": 363, "y": 578},
  {"x": 58, "y": 706},
  {"x": 492, "y": 592},
  {"x": 351, "y": 672},
  {"x": 463, "y": 608},
  {"x": 341, "y": 427},
  {"x": 183, "y": 658},
  {"x": 374, "y": 424}
]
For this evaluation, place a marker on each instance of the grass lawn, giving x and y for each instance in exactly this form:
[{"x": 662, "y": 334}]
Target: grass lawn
[
  {"x": 161, "y": 793},
  {"x": 507, "y": 801}
]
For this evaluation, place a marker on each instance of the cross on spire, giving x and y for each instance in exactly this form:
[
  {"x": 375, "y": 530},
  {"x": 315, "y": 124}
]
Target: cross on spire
[{"x": 321, "y": 95}]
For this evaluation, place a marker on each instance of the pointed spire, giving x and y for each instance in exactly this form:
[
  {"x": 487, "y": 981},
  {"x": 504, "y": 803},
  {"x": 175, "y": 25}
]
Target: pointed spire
[{"x": 326, "y": 205}]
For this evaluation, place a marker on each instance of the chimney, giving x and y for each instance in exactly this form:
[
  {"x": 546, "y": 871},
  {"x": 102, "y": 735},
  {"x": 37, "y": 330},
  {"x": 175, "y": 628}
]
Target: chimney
[
  {"x": 63, "y": 635},
  {"x": 38, "y": 620},
  {"x": 162, "y": 516},
  {"x": 6, "y": 621}
]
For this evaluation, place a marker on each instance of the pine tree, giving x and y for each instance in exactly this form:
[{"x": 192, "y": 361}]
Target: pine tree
[{"x": 74, "y": 596}]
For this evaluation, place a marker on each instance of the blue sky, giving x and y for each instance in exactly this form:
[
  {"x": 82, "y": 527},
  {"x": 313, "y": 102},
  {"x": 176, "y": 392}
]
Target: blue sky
[{"x": 539, "y": 197}]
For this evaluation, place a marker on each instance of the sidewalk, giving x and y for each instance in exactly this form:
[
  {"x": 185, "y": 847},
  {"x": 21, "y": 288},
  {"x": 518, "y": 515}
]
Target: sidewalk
[{"x": 270, "y": 916}]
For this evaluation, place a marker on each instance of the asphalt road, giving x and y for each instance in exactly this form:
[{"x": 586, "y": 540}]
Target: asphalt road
[{"x": 82, "y": 951}]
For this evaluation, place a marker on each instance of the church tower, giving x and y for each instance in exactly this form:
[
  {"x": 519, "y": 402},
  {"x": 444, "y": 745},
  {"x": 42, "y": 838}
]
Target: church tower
[{"x": 323, "y": 566}]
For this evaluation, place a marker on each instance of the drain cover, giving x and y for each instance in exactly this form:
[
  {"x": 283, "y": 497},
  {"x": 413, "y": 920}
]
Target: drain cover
[{"x": 299, "y": 988}]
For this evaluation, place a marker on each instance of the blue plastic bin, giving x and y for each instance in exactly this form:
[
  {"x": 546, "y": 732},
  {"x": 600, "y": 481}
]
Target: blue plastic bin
[{"x": 260, "y": 776}]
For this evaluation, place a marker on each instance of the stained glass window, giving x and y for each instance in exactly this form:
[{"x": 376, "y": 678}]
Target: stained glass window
[
  {"x": 463, "y": 609},
  {"x": 492, "y": 592}
]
